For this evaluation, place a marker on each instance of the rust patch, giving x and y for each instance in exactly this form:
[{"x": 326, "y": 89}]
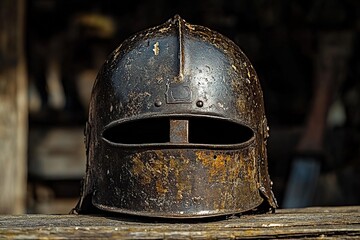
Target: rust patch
[
  {"x": 229, "y": 168},
  {"x": 241, "y": 104},
  {"x": 155, "y": 170},
  {"x": 152, "y": 168},
  {"x": 160, "y": 171},
  {"x": 179, "y": 167},
  {"x": 216, "y": 163},
  {"x": 160, "y": 188},
  {"x": 138, "y": 169}
]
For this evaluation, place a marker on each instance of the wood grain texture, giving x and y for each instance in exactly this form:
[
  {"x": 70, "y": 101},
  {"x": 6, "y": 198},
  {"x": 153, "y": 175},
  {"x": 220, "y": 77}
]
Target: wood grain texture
[
  {"x": 13, "y": 108},
  {"x": 329, "y": 223}
]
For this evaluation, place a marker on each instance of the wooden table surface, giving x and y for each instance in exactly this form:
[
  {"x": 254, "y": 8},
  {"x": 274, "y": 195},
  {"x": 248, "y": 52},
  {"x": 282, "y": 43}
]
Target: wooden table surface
[{"x": 319, "y": 222}]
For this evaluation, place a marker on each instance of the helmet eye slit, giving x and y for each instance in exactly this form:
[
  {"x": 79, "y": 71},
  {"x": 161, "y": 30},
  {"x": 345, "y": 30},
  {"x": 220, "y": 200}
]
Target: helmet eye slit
[
  {"x": 141, "y": 131},
  {"x": 214, "y": 131},
  {"x": 178, "y": 130}
]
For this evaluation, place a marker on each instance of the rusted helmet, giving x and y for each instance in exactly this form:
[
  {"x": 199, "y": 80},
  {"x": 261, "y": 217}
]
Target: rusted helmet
[{"x": 177, "y": 128}]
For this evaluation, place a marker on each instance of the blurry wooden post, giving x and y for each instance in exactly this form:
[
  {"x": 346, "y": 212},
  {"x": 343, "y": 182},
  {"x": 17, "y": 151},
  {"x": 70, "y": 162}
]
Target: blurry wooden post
[{"x": 13, "y": 108}]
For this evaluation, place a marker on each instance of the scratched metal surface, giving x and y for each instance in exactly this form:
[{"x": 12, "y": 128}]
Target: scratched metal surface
[
  {"x": 177, "y": 128},
  {"x": 329, "y": 223}
]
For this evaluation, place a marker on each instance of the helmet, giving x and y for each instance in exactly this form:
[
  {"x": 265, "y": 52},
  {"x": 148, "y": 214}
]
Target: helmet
[{"x": 176, "y": 128}]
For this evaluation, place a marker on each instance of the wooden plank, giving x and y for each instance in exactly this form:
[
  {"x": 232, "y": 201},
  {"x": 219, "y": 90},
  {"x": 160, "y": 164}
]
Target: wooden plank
[
  {"x": 330, "y": 223},
  {"x": 13, "y": 108}
]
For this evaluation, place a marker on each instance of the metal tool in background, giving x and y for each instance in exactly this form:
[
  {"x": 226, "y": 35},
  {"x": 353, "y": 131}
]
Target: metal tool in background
[{"x": 334, "y": 52}]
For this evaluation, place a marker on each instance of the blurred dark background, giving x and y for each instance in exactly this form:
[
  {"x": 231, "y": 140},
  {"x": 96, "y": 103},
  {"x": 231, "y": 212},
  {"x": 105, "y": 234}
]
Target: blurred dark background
[{"x": 293, "y": 45}]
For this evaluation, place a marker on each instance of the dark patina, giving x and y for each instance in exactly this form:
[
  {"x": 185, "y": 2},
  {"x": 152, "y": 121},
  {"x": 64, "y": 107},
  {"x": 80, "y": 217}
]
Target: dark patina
[{"x": 177, "y": 128}]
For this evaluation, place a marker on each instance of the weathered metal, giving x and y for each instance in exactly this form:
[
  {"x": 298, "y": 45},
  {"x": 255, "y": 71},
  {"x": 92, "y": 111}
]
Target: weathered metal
[{"x": 177, "y": 128}]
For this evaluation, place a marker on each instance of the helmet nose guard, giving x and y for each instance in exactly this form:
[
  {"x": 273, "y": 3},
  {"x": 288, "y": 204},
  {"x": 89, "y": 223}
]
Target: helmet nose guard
[{"x": 176, "y": 128}]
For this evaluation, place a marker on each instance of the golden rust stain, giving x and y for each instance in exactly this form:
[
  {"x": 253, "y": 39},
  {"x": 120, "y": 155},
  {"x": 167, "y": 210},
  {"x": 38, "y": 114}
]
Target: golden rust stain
[
  {"x": 156, "y": 49},
  {"x": 230, "y": 168},
  {"x": 160, "y": 171},
  {"x": 160, "y": 188},
  {"x": 241, "y": 104},
  {"x": 138, "y": 169},
  {"x": 163, "y": 173},
  {"x": 179, "y": 167},
  {"x": 216, "y": 163}
]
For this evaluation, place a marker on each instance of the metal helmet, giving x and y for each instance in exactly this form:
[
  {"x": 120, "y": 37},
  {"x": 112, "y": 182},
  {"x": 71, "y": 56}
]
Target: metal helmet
[{"x": 177, "y": 128}]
